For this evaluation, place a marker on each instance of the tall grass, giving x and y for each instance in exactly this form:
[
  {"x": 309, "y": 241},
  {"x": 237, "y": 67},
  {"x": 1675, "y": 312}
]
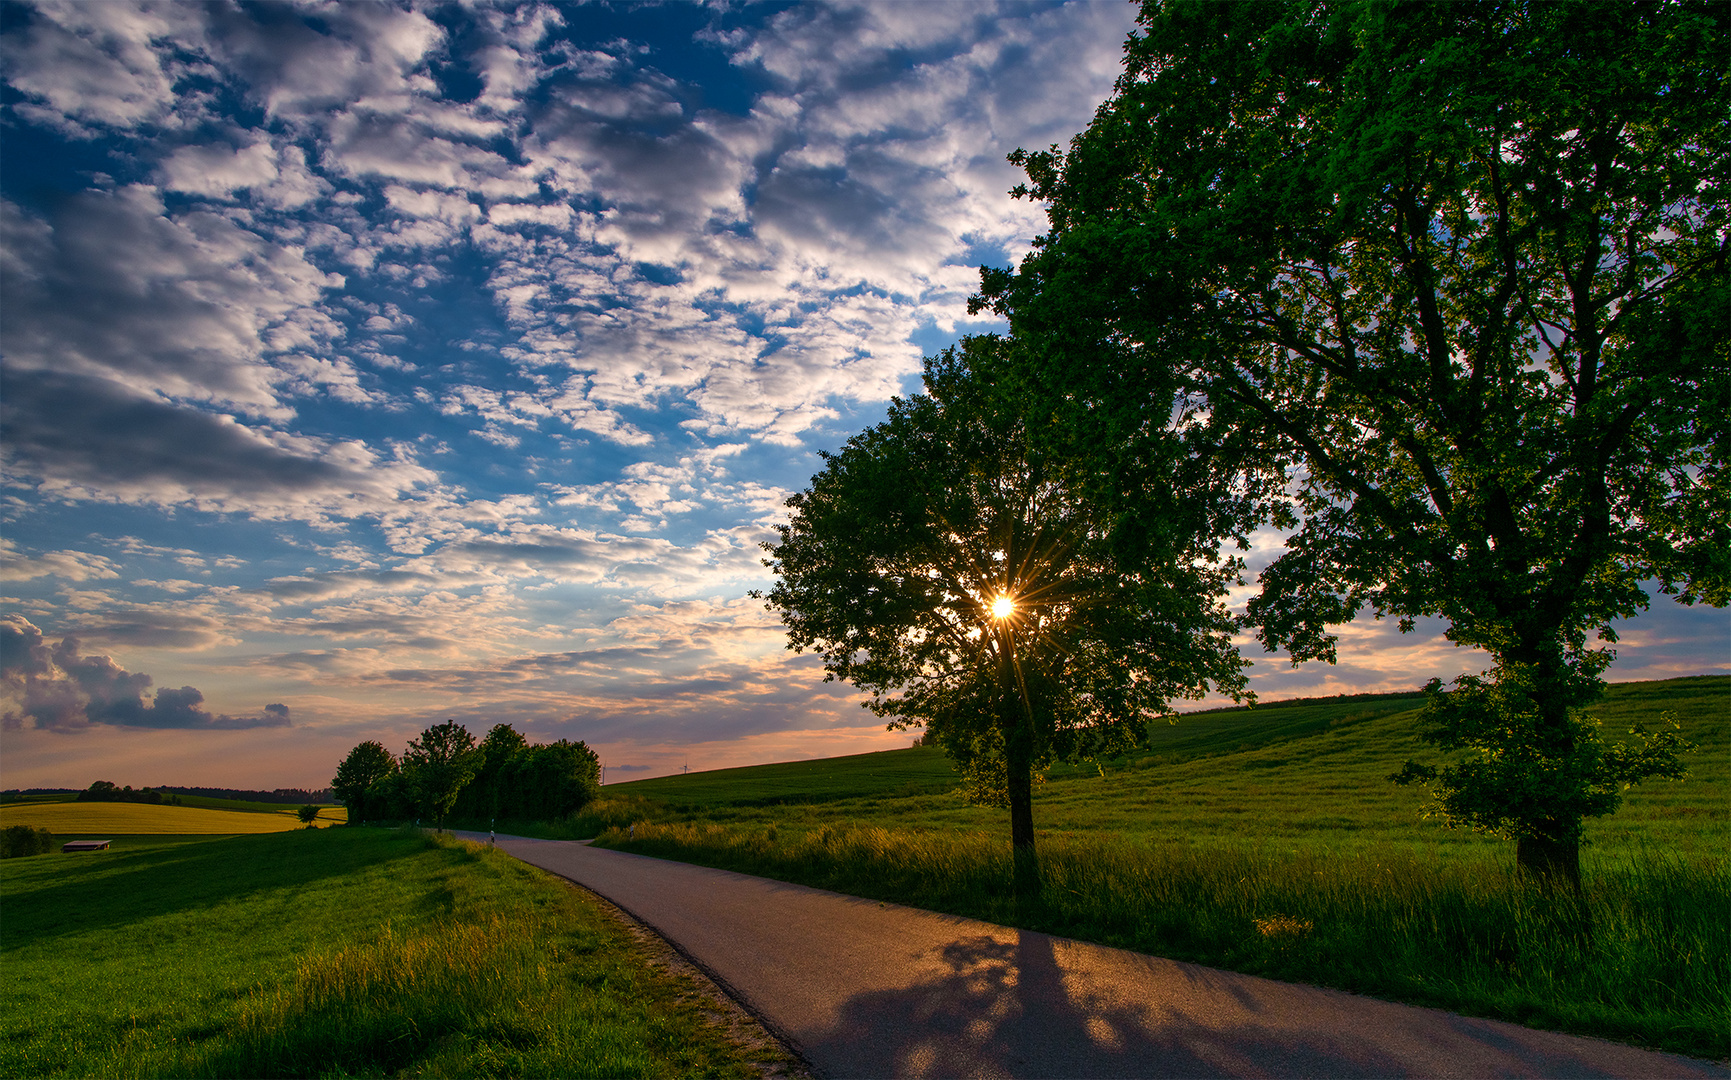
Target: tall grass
[
  {"x": 489, "y": 997},
  {"x": 337, "y": 952},
  {"x": 1642, "y": 954}
]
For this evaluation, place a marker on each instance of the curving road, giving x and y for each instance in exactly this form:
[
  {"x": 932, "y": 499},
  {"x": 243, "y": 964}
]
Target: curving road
[{"x": 864, "y": 989}]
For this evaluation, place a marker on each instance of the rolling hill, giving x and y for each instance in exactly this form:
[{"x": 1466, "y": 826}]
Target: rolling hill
[
  {"x": 67, "y": 819},
  {"x": 1295, "y": 774}
]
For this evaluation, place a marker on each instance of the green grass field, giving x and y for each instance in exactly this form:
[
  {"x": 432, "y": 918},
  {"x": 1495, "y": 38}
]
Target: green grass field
[
  {"x": 1233, "y": 824},
  {"x": 341, "y": 952},
  {"x": 1297, "y": 777}
]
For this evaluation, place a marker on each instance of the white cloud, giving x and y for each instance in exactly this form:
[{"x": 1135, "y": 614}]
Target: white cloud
[
  {"x": 68, "y": 565},
  {"x": 217, "y": 170},
  {"x": 189, "y": 306},
  {"x": 101, "y": 64}
]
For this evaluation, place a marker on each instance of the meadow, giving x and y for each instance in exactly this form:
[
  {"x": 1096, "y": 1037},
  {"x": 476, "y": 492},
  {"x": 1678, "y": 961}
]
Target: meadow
[
  {"x": 1270, "y": 841},
  {"x": 67, "y": 819},
  {"x": 331, "y": 952},
  {"x": 1292, "y": 777}
]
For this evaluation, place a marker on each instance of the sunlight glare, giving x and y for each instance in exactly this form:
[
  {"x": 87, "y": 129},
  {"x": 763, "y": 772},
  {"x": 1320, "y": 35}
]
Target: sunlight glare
[{"x": 1002, "y": 607}]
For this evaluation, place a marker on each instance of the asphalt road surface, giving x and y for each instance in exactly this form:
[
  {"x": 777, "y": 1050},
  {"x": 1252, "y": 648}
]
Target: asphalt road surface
[{"x": 864, "y": 989}]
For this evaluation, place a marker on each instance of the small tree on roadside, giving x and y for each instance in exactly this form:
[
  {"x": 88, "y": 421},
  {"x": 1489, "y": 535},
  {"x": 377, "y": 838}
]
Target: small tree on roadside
[
  {"x": 945, "y": 565},
  {"x": 366, "y": 765},
  {"x": 437, "y": 765}
]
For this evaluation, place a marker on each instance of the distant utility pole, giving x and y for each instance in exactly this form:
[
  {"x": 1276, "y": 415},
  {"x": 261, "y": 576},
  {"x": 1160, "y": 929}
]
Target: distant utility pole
[{"x": 688, "y": 763}]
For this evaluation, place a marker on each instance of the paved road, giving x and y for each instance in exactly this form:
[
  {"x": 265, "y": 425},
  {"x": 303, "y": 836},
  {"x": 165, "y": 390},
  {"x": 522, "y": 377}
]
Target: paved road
[{"x": 864, "y": 989}]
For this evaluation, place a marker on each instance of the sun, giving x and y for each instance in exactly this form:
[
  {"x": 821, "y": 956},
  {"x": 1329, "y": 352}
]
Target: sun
[{"x": 1003, "y": 607}]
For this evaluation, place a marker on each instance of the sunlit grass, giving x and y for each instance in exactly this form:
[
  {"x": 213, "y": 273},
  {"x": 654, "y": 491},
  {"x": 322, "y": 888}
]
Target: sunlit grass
[{"x": 328, "y": 953}]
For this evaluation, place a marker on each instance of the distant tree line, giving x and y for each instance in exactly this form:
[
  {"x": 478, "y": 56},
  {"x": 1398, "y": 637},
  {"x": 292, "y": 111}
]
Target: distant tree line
[
  {"x": 445, "y": 773},
  {"x": 278, "y": 795},
  {"x": 107, "y": 791}
]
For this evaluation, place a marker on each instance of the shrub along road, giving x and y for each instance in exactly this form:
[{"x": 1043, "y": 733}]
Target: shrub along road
[{"x": 862, "y": 988}]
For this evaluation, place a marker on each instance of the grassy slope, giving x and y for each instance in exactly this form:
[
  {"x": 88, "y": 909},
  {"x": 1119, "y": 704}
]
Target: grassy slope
[
  {"x": 331, "y": 952},
  {"x": 1302, "y": 776},
  {"x": 69, "y": 819}
]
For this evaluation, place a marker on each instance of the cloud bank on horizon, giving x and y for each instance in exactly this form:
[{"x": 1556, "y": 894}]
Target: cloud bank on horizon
[{"x": 403, "y": 363}]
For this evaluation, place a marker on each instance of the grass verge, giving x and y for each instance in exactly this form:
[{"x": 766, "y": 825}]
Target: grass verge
[
  {"x": 333, "y": 952},
  {"x": 1643, "y": 956}
]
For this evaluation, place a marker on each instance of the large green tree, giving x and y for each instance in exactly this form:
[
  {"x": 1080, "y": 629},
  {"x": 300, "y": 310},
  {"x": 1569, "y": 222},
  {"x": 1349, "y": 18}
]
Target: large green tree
[
  {"x": 547, "y": 782},
  {"x": 365, "y": 766},
  {"x": 944, "y": 564},
  {"x": 1458, "y": 272},
  {"x": 438, "y": 765},
  {"x": 485, "y": 795}
]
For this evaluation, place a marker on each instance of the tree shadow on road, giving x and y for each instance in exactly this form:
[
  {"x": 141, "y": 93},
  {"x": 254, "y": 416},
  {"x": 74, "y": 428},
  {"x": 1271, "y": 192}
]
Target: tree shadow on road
[{"x": 1010, "y": 1008}]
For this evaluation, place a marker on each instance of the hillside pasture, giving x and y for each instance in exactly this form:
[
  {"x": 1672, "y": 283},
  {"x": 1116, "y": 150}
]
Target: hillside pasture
[
  {"x": 68, "y": 819},
  {"x": 1297, "y": 777}
]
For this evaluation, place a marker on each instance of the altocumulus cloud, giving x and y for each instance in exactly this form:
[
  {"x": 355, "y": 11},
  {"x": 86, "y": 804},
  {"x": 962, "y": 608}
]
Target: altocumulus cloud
[
  {"x": 58, "y": 688},
  {"x": 400, "y": 361}
]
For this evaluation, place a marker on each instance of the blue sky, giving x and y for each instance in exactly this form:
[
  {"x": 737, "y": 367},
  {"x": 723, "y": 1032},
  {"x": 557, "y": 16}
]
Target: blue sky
[{"x": 367, "y": 366}]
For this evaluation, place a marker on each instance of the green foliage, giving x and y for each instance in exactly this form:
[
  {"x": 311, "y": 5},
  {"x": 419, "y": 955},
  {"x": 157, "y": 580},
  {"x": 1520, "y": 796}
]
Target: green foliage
[
  {"x": 548, "y": 782},
  {"x": 894, "y": 557},
  {"x": 17, "y": 841},
  {"x": 307, "y": 814},
  {"x": 445, "y": 773},
  {"x": 482, "y": 798},
  {"x": 392, "y": 798},
  {"x": 367, "y": 765},
  {"x": 1457, "y": 270},
  {"x": 1522, "y": 772},
  {"x": 108, "y": 791},
  {"x": 340, "y": 952},
  {"x": 437, "y": 764}
]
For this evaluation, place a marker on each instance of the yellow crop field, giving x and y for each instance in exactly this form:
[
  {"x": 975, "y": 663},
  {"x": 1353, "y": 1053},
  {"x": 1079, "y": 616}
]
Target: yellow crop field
[{"x": 134, "y": 819}]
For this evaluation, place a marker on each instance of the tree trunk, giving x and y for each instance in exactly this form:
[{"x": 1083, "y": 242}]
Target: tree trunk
[
  {"x": 1556, "y": 862},
  {"x": 1552, "y": 851},
  {"x": 1022, "y": 818},
  {"x": 1019, "y": 765}
]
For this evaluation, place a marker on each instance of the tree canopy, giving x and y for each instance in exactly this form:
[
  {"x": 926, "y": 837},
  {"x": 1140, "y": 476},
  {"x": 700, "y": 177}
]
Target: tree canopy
[
  {"x": 445, "y": 773},
  {"x": 438, "y": 764},
  {"x": 1456, "y": 275},
  {"x": 366, "y": 765},
  {"x": 944, "y": 564}
]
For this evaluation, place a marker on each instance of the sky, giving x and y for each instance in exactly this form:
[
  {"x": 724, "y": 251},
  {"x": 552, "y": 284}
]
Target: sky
[{"x": 366, "y": 366}]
